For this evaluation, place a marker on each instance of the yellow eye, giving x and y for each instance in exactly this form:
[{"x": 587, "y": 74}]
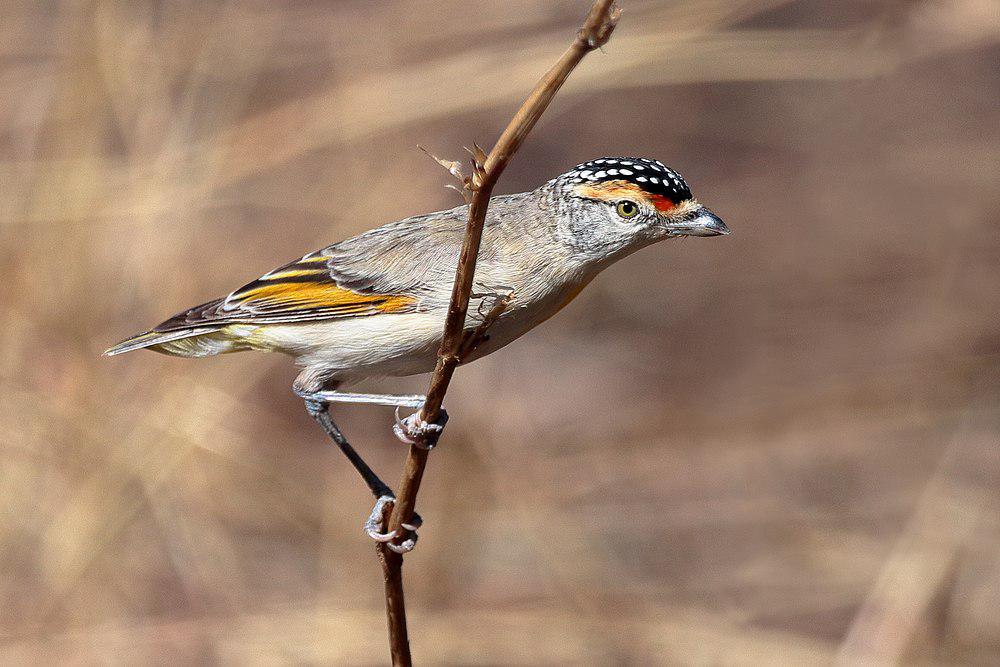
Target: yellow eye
[{"x": 627, "y": 209}]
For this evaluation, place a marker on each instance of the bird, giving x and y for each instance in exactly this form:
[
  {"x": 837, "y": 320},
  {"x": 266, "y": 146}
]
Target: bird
[{"x": 374, "y": 305}]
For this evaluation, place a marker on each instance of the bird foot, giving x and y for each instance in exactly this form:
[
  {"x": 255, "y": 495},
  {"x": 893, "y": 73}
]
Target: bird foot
[
  {"x": 415, "y": 431},
  {"x": 374, "y": 526}
]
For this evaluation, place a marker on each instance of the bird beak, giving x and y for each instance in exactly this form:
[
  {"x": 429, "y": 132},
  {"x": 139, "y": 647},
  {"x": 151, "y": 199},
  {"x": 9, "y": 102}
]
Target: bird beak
[
  {"x": 698, "y": 221},
  {"x": 706, "y": 223}
]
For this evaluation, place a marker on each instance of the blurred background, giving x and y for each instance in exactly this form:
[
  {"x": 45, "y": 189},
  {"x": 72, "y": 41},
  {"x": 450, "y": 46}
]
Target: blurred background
[{"x": 774, "y": 447}]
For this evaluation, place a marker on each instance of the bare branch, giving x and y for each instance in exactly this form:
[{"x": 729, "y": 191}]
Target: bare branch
[{"x": 596, "y": 31}]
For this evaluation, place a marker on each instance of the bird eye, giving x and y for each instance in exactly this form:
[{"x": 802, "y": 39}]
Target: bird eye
[{"x": 627, "y": 209}]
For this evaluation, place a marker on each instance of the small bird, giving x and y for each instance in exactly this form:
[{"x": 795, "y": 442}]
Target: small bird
[{"x": 375, "y": 304}]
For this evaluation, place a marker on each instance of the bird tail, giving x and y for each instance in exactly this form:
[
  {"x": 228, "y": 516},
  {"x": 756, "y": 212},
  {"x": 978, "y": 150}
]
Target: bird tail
[
  {"x": 194, "y": 342},
  {"x": 191, "y": 333}
]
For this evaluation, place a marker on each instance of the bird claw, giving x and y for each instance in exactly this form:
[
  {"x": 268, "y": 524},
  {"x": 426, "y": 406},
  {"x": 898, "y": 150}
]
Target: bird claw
[
  {"x": 404, "y": 547},
  {"x": 374, "y": 525},
  {"x": 382, "y": 538},
  {"x": 413, "y": 430}
]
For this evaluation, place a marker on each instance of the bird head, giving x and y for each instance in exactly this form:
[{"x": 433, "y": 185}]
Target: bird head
[{"x": 613, "y": 206}]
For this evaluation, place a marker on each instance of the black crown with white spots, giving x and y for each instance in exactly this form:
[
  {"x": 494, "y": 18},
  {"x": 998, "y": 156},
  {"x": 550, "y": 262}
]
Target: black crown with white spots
[{"x": 651, "y": 175}]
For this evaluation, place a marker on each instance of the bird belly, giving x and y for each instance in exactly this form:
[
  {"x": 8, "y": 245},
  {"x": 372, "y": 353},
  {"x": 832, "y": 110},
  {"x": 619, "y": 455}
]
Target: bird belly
[{"x": 354, "y": 348}]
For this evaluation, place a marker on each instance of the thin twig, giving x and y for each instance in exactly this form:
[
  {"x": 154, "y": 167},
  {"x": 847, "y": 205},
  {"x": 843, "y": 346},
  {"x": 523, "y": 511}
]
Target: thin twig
[{"x": 596, "y": 31}]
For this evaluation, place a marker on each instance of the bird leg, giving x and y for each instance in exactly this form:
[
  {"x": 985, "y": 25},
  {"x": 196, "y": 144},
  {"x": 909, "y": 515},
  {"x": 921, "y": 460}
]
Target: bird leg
[
  {"x": 317, "y": 409},
  {"x": 392, "y": 400},
  {"x": 411, "y": 431}
]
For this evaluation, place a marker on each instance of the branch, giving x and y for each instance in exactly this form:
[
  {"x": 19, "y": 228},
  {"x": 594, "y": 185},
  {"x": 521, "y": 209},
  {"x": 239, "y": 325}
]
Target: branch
[{"x": 596, "y": 31}]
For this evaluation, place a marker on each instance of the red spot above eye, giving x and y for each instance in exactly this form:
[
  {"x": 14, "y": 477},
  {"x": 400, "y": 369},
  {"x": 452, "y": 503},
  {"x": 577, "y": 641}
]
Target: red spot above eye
[{"x": 661, "y": 203}]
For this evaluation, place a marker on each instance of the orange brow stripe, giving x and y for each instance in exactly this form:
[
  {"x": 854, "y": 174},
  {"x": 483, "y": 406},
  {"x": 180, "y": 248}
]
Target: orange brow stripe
[{"x": 611, "y": 190}]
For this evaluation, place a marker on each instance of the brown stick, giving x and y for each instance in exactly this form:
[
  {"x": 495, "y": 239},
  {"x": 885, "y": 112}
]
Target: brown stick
[{"x": 596, "y": 31}]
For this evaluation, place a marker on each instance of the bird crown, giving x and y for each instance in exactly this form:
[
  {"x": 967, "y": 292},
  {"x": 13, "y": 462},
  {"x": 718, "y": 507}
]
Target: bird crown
[{"x": 651, "y": 176}]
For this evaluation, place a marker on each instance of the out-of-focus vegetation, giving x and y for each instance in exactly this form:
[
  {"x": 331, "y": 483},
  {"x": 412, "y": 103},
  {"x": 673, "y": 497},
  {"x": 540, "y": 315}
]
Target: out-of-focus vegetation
[{"x": 778, "y": 446}]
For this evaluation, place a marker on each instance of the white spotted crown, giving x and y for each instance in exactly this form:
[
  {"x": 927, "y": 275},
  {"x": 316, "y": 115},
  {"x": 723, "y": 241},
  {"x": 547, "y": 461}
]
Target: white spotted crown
[{"x": 651, "y": 175}]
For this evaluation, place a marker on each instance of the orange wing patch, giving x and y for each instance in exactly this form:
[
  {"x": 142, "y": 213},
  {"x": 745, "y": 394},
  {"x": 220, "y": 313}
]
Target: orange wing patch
[
  {"x": 614, "y": 190},
  {"x": 323, "y": 296},
  {"x": 305, "y": 290}
]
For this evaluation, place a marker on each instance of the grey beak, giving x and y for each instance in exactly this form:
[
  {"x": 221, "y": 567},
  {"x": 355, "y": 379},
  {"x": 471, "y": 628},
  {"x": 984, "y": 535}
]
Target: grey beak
[{"x": 707, "y": 223}]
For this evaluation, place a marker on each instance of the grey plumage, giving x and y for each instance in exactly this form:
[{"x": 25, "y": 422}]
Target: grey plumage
[{"x": 374, "y": 304}]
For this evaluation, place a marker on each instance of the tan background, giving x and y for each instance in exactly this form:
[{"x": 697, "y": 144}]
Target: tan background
[{"x": 778, "y": 446}]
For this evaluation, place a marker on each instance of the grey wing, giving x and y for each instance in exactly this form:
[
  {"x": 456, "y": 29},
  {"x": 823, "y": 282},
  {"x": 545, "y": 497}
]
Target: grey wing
[
  {"x": 401, "y": 267},
  {"x": 416, "y": 256}
]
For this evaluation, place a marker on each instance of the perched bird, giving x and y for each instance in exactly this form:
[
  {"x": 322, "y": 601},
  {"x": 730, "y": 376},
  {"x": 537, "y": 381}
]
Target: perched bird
[{"x": 375, "y": 304}]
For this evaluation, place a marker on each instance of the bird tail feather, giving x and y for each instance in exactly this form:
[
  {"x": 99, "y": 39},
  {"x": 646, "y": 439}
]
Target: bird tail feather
[{"x": 194, "y": 342}]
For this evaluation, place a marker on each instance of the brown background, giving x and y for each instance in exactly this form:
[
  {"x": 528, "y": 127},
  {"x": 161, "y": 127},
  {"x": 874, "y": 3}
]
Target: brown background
[{"x": 778, "y": 446}]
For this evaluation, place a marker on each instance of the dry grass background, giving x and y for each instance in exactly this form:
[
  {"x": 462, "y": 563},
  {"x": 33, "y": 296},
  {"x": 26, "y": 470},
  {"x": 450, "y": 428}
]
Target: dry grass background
[{"x": 777, "y": 447}]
